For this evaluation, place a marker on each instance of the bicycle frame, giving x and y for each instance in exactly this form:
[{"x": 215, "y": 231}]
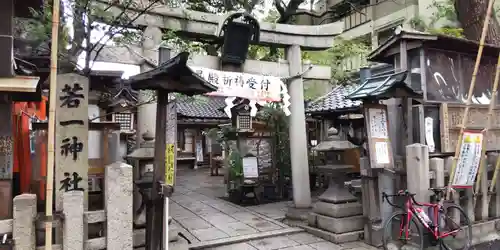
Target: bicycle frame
[{"x": 411, "y": 211}]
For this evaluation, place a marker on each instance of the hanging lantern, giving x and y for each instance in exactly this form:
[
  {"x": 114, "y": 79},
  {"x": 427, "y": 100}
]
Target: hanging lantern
[{"x": 240, "y": 29}]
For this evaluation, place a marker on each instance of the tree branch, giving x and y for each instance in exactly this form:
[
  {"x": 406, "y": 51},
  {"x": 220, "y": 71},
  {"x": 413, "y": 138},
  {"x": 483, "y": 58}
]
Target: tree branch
[
  {"x": 125, "y": 9},
  {"x": 111, "y": 35}
]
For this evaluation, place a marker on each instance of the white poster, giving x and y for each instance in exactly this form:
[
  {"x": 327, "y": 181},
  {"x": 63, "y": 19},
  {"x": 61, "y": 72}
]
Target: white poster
[
  {"x": 250, "y": 167},
  {"x": 468, "y": 160},
  {"x": 378, "y": 123},
  {"x": 429, "y": 134},
  {"x": 382, "y": 153},
  {"x": 199, "y": 151}
]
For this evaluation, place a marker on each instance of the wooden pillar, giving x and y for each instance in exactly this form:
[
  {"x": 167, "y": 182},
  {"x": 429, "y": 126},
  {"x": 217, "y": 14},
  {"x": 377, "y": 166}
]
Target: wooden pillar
[
  {"x": 6, "y": 39},
  {"x": 6, "y": 154},
  {"x": 154, "y": 214}
]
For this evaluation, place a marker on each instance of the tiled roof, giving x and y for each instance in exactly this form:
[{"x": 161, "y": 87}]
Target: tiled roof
[
  {"x": 384, "y": 87},
  {"x": 207, "y": 107},
  {"x": 334, "y": 101}
]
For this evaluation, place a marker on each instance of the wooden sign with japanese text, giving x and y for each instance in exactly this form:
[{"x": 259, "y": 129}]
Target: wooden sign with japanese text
[
  {"x": 451, "y": 115},
  {"x": 379, "y": 144},
  {"x": 171, "y": 148},
  {"x": 71, "y": 142},
  {"x": 169, "y": 164}
]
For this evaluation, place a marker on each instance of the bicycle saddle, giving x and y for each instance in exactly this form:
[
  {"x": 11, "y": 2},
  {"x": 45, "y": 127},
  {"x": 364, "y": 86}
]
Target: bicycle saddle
[{"x": 439, "y": 190}]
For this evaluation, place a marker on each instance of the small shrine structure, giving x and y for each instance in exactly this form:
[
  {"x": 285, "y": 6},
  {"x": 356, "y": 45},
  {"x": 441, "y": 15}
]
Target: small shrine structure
[{"x": 417, "y": 111}]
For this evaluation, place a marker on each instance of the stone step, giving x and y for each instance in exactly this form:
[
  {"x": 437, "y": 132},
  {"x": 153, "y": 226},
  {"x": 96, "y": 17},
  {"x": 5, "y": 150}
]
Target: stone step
[
  {"x": 333, "y": 237},
  {"x": 244, "y": 238},
  {"x": 338, "y": 210}
]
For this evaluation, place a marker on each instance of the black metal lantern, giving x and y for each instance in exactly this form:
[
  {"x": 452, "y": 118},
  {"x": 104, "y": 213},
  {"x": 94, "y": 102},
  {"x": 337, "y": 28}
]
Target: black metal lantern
[{"x": 240, "y": 29}]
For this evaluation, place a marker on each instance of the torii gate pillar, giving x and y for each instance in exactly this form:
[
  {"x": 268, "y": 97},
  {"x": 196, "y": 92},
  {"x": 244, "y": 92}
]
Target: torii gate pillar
[{"x": 298, "y": 136}]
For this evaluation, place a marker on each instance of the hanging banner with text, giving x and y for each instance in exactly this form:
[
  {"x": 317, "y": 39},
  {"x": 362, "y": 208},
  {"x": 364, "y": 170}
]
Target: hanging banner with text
[
  {"x": 257, "y": 88},
  {"x": 468, "y": 160}
]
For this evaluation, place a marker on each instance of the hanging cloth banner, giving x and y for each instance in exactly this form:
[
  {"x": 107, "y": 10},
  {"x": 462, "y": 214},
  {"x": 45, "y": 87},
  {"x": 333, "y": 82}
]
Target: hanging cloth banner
[
  {"x": 468, "y": 160},
  {"x": 257, "y": 88}
]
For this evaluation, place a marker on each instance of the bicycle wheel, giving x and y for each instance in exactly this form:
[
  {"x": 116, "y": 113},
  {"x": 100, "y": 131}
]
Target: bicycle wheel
[
  {"x": 395, "y": 239},
  {"x": 451, "y": 218}
]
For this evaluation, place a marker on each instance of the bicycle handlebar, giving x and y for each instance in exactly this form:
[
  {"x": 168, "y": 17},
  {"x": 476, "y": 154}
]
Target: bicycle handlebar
[{"x": 399, "y": 194}]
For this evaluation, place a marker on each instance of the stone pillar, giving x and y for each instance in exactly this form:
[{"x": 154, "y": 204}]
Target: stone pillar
[
  {"x": 119, "y": 206},
  {"x": 23, "y": 228},
  {"x": 72, "y": 133},
  {"x": 73, "y": 228},
  {"x": 385, "y": 184},
  {"x": 437, "y": 165},
  {"x": 114, "y": 146},
  {"x": 417, "y": 171},
  {"x": 298, "y": 135},
  {"x": 146, "y": 114}
]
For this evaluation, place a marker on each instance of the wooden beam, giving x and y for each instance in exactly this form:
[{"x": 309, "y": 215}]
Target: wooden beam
[{"x": 133, "y": 55}]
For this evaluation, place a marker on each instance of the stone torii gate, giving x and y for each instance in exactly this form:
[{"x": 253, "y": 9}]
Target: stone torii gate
[{"x": 294, "y": 38}]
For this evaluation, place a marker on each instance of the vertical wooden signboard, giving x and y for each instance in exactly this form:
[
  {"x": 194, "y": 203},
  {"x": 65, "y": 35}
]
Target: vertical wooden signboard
[
  {"x": 379, "y": 144},
  {"x": 71, "y": 143},
  {"x": 171, "y": 149}
]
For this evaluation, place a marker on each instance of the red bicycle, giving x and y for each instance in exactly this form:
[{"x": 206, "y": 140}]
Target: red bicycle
[{"x": 447, "y": 225}]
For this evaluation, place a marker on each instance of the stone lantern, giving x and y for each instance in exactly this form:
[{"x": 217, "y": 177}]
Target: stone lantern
[
  {"x": 338, "y": 211},
  {"x": 143, "y": 176}
]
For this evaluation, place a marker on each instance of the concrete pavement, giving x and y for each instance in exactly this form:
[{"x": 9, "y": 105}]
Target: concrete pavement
[{"x": 209, "y": 222}]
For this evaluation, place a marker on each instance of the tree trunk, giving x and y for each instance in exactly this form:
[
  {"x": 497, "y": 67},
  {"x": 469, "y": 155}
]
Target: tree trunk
[{"x": 471, "y": 14}]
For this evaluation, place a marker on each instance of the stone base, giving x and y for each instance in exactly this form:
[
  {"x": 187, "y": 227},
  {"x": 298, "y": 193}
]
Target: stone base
[
  {"x": 333, "y": 237},
  {"x": 338, "y": 210},
  {"x": 337, "y": 193},
  {"x": 336, "y": 225},
  {"x": 374, "y": 235},
  {"x": 299, "y": 214}
]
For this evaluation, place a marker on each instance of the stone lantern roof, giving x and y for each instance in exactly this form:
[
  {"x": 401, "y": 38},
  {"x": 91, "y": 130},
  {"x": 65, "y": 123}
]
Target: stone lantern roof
[
  {"x": 333, "y": 143},
  {"x": 147, "y": 149}
]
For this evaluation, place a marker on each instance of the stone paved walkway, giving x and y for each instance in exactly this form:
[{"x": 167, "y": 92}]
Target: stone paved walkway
[{"x": 202, "y": 217}]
